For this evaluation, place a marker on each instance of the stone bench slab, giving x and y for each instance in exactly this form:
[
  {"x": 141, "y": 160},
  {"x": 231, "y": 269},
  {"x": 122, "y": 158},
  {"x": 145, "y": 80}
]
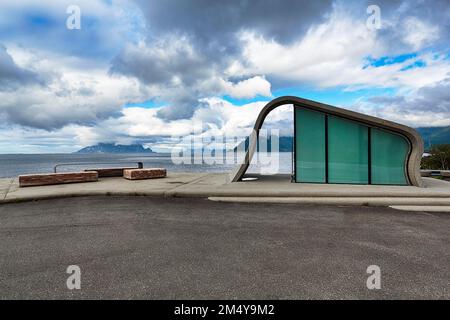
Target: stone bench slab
[
  {"x": 56, "y": 178},
  {"x": 108, "y": 172},
  {"x": 141, "y": 174},
  {"x": 445, "y": 173}
]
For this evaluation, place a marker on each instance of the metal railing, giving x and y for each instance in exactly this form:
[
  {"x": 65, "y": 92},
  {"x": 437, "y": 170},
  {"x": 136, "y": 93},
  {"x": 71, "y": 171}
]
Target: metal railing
[
  {"x": 140, "y": 165},
  {"x": 435, "y": 173}
]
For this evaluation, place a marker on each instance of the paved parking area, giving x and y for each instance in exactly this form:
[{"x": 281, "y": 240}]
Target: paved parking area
[{"x": 156, "y": 248}]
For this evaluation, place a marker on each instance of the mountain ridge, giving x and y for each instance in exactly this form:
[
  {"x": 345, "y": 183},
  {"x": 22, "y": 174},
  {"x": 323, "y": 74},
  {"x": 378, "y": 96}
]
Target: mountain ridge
[
  {"x": 434, "y": 135},
  {"x": 115, "y": 148}
]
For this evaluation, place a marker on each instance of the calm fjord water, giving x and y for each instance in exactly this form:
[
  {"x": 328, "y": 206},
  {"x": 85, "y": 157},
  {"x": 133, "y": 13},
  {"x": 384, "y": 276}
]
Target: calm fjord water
[{"x": 12, "y": 165}]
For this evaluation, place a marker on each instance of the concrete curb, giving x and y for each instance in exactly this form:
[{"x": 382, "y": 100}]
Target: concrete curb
[
  {"x": 353, "y": 201},
  {"x": 77, "y": 195},
  {"x": 422, "y": 208},
  {"x": 216, "y": 187},
  {"x": 409, "y": 204}
]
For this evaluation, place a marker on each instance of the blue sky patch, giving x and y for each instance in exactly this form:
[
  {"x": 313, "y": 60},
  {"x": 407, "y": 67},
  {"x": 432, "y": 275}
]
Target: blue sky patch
[
  {"x": 388, "y": 60},
  {"x": 334, "y": 96},
  {"x": 416, "y": 64},
  {"x": 36, "y": 20},
  {"x": 150, "y": 104},
  {"x": 241, "y": 102}
]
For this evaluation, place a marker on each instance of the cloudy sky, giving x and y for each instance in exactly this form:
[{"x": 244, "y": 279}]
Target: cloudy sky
[{"x": 144, "y": 71}]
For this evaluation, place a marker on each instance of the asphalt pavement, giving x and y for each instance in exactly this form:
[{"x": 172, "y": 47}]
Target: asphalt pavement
[{"x": 157, "y": 248}]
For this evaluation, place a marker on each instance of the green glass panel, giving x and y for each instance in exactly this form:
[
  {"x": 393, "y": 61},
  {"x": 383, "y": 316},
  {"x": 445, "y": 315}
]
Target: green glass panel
[
  {"x": 388, "y": 158},
  {"x": 347, "y": 151},
  {"x": 310, "y": 145}
]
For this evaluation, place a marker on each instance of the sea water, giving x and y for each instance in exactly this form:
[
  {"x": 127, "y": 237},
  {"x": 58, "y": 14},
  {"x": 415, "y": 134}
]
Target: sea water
[{"x": 12, "y": 165}]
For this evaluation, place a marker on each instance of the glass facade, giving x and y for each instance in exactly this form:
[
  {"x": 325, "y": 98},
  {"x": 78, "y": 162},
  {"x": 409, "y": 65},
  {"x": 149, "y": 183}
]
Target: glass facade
[
  {"x": 310, "y": 146},
  {"x": 348, "y": 144},
  {"x": 389, "y": 152},
  {"x": 332, "y": 149}
]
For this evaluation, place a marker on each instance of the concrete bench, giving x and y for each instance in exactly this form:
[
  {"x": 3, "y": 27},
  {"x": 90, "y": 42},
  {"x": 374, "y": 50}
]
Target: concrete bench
[
  {"x": 425, "y": 173},
  {"x": 445, "y": 173},
  {"x": 140, "y": 174},
  {"x": 108, "y": 172},
  {"x": 30, "y": 180}
]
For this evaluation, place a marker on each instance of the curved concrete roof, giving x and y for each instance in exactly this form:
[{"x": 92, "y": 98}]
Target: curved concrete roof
[{"x": 413, "y": 137}]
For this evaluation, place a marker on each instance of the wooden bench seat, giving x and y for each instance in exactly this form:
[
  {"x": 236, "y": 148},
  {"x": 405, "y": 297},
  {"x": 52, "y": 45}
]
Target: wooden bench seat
[
  {"x": 30, "y": 180},
  {"x": 140, "y": 174}
]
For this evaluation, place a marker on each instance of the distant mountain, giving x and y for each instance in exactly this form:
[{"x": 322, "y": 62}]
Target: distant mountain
[
  {"x": 115, "y": 148},
  {"x": 285, "y": 144},
  {"x": 434, "y": 135},
  {"x": 430, "y": 135}
]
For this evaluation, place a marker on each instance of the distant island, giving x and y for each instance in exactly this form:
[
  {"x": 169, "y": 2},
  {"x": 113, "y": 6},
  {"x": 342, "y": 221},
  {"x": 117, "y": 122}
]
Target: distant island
[{"x": 115, "y": 148}]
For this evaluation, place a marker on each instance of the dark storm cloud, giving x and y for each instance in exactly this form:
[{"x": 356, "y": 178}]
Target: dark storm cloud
[
  {"x": 433, "y": 98},
  {"x": 50, "y": 112},
  {"x": 161, "y": 62},
  {"x": 212, "y": 26},
  {"x": 387, "y": 100},
  {"x": 11, "y": 75},
  {"x": 183, "y": 107},
  {"x": 430, "y": 99},
  {"x": 180, "y": 71},
  {"x": 212, "y": 22},
  {"x": 395, "y": 14},
  {"x": 201, "y": 41},
  {"x": 32, "y": 113}
]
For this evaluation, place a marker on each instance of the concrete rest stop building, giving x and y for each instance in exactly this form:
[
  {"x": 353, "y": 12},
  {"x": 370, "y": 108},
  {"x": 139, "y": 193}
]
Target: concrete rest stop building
[{"x": 338, "y": 146}]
